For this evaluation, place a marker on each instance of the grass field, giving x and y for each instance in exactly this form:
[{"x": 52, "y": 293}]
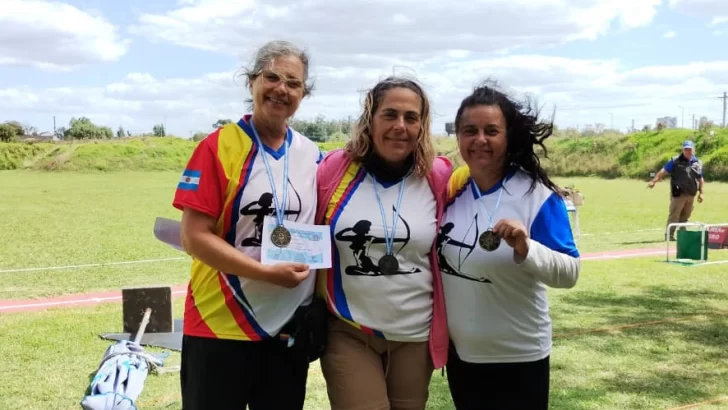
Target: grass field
[{"x": 55, "y": 219}]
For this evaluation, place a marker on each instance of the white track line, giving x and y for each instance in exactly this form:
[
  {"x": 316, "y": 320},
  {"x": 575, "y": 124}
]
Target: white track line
[
  {"x": 623, "y": 256},
  {"x": 134, "y": 262},
  {"x": 184, "y": 291},
  {"x": 96, "y": 265},
  {"x": 622, "y": 232},
  {"x": 709, "y": 263},
  {"x": 72, "y": 302},
  {"x": 90, "y": 265}
]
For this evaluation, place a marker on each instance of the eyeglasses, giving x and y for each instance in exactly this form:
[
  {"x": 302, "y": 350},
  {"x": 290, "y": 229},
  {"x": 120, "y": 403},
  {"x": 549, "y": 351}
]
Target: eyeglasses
[{"x": 273, "y": 78}]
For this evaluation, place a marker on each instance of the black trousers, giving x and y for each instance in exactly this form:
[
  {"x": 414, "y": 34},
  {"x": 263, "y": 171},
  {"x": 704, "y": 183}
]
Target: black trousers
[
  {"x": 502, "y": 386},
  {"x": 230, "y": 374}
]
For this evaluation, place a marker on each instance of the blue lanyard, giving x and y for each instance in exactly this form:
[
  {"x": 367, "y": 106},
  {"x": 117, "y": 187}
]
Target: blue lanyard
[
  {"x": 389, "y": 239},
  {"x": 482, "y": 206},
  {"x": 280, "y": 212}
]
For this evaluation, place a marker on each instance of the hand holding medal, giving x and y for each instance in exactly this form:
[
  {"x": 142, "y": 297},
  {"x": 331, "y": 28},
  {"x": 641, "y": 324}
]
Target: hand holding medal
[
  {"x": 515, "y": 234},
  {"x": 510, "y": 230}
]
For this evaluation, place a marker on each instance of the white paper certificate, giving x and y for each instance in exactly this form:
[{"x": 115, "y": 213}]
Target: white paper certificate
[{"x": 310, "y": 244}]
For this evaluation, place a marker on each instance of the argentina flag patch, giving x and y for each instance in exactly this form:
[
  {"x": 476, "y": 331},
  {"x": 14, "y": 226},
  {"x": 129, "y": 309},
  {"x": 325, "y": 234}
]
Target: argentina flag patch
[{"x": 190, "y": 180}]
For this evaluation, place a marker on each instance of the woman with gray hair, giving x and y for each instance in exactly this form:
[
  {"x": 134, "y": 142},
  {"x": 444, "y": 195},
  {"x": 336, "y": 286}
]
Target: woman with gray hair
[{"x": 248, "y": 326}]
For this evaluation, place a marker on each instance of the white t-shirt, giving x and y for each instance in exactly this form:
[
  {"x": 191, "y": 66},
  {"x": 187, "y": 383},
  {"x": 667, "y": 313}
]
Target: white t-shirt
[
  {"x": 396, "y": 307},
  {"x": 497, "y": 309},
  {"x": 226, "y": 178}
]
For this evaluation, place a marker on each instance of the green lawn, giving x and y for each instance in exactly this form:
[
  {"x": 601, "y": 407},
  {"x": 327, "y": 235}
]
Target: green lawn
[
  {"x": 651, "y": 367},
  {"x": 66, "y": 218},
  {"x": 57, "y": 219}
]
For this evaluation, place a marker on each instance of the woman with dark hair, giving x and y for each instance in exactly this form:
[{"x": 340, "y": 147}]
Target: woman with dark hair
[
  {"x": 383, "y": 197},
  {"x": 508, "y": 238}
]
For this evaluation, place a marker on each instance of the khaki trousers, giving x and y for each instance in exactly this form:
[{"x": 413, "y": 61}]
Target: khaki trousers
[
  {"x": 681, "y": 207},
  {"x": 365, "y": 372}
]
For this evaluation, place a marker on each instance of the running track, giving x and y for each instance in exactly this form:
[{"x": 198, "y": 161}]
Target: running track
[{"x": 90, "y": 299}]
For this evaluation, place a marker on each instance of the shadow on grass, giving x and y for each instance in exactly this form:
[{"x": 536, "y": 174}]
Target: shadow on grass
[
  {"x": 646, "y": 242},
  {"x": 661, "y": 366},
  {"x": 616, "y": 309}
]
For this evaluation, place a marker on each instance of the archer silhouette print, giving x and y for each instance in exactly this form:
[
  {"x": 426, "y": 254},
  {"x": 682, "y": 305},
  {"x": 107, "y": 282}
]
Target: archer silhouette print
[
  {"x": 264, "y": 207},
  {"x": 467, "y": 243},
  {"x": 361, "y": 240}
]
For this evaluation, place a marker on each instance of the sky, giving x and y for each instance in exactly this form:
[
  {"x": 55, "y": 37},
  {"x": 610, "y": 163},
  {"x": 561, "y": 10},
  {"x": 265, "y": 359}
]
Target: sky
[{"x": 136, "y": 63}]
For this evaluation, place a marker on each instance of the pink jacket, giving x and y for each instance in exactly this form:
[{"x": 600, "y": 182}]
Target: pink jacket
[{"x": 330, "y": 172}]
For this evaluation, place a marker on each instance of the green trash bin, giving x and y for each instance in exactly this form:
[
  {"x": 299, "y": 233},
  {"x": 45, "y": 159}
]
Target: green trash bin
[{"x": 688, "y": 245}]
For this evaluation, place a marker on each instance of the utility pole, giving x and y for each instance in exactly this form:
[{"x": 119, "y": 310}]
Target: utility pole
[
  {"x": 724, "y": 98},
  {"x": 693, "y": 121},
  {"x": 632, "y": 124}
]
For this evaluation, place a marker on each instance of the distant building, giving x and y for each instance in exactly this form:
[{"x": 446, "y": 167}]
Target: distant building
[
  {"x": 667, "y": 122},
  {"x": 450, "y": 128},
  {"x": 38, "y": 137},
  {"x": 704, "y": 123}
]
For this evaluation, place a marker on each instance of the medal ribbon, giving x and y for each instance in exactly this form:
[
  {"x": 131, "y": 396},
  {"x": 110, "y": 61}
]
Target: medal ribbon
[
  {"x": 482, "y": 206},
  {"x": 389, "y": 239},
  {"x": 280, "y": 212}
]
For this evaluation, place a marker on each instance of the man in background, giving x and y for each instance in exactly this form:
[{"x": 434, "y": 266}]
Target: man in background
[{"x": 686, "y": 180}]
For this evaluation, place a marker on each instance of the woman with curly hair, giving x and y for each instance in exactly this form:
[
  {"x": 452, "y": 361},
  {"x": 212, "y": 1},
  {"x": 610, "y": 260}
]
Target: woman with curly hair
[
  {"x": 505, "y": 237},
  {"x": 383, "y": 196}
]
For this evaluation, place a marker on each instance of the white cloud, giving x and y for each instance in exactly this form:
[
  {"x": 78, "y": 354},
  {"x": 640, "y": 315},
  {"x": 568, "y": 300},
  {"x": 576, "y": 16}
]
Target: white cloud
[
  {"x": 346, "y": 32},
  {"x": 355, "y": 42},
  {"x": 582, "y": 91},
  {"x": 669, "y": 34},
  {"x": 715, "y": 10},
  {"x": 449, "y": 46},
  {"x": 56, "y": 36}
]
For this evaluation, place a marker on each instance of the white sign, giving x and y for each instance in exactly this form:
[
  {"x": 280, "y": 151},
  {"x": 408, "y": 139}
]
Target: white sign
[{"x": 310, "y": 244}]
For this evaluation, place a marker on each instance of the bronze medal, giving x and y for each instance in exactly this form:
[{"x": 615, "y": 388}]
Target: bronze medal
[
  {"x": 281, "y": 236},
  {"x": 489, "y": 240},
  {"x": 388, "y": 265}
]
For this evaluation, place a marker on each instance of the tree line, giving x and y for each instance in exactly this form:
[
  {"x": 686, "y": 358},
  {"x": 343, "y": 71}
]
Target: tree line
[
  {"x": 82, "y": 128},
  {"x": 78, "y": 129},
  {"x": 319, "y": 129}
]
